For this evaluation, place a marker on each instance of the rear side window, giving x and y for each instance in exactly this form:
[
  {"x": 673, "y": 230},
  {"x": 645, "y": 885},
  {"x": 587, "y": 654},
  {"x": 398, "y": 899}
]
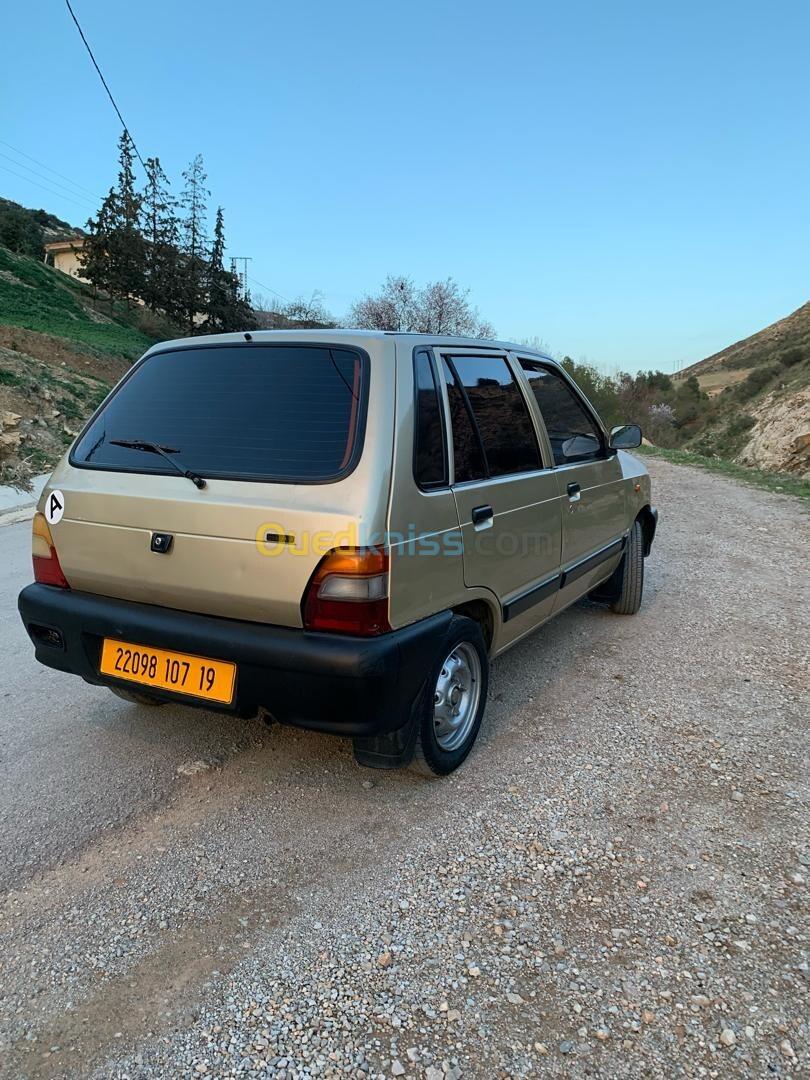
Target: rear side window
[
  {"x": 290, "y": 413},
  {"x": 572, "y": 431},
  {"x": 500, "y": 414},
  {"x": 468, "y": 457},
  {"x": 430, "y": 459}
]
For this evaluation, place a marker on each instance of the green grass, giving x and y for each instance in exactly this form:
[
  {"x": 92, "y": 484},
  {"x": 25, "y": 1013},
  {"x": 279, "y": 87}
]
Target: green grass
[
  {"x": 49, "y": 302},
  {"x": 783, "y": 483}
]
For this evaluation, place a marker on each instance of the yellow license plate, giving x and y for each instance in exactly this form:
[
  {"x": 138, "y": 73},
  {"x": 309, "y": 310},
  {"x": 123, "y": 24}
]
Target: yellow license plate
[{"x": 162, "y": 669}]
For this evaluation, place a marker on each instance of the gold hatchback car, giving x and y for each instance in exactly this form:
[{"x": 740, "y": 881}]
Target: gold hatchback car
[{"x": 339, "y": 529}]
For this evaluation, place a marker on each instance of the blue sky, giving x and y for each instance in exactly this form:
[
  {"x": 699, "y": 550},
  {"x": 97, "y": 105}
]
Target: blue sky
[{"x": 626, "y": 181}]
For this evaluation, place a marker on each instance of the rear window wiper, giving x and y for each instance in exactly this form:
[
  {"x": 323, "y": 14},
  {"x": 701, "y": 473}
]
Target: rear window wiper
[{"x": 165, "y": 452}]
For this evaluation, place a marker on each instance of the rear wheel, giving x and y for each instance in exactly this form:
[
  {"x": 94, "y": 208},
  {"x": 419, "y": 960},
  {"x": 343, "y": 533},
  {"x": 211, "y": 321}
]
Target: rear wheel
[
  {"x": 631, "y": 574},
  {"x": 454, "y": 700},
  {"x": 135, "y": 697}
]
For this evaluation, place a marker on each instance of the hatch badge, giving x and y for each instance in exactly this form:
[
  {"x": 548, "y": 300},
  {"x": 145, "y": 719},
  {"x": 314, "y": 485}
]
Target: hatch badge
[{"x": 161, "y": 543}]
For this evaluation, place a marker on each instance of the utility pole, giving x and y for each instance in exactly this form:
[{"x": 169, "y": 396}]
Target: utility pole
[{"x": 243, "y": 276}]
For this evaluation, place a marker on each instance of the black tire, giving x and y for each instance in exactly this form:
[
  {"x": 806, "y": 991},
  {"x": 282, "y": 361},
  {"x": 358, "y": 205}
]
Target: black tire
[
  {"x": 134, "y": 697},
  {"x": 631, "y": 574},
  {"x": 429, "y": 757}
]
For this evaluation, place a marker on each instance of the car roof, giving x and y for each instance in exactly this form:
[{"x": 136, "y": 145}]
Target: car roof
[{"x": 348, "y": 336}]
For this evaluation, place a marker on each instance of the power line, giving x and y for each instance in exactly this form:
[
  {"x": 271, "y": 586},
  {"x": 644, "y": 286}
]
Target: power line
[
  {"x": 267, "y": 287},
  {"x": 104, "y": 84},
  {"x": 54, "y": 183},
  {"x": 50, "y": 190},
  {"x": 42, "y": 165}
]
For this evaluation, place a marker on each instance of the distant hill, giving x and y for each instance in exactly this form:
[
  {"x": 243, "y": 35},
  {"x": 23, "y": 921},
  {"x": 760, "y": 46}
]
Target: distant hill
[
  {"x": 760, "y": 393},
  {"x": 764, "y": 347}
]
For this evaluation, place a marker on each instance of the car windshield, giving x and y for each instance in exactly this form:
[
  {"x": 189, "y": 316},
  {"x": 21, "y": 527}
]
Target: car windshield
[{"x": 266, "y": 412}]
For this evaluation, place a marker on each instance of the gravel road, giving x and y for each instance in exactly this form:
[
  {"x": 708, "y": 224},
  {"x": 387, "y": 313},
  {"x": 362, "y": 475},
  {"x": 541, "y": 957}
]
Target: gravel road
[{"x": 614, "y": 885}]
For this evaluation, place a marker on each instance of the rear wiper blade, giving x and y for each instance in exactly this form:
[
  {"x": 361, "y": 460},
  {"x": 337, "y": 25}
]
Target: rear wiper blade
[{"x": 165, "y": 452}]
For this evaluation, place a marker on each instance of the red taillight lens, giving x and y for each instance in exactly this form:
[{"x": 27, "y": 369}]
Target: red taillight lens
[
  {"x": 47, "y": 570},
  {"x": 348, "y": 593}
]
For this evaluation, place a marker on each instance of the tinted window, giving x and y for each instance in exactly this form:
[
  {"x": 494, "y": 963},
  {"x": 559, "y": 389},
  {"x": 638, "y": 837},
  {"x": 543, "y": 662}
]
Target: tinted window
[
  {"x": 571, "y": 429},
  {"x": 503, "y": 420},
  {"x": 270, "y": 412},
  {"x": 430, "y": 465},
  {"x": 468, "y": 460}
]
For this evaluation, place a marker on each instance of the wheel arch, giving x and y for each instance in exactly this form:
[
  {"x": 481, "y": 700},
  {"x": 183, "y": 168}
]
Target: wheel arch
[
  {"x": 481, "y": 612},
  {"x": 648, "y": 519}
]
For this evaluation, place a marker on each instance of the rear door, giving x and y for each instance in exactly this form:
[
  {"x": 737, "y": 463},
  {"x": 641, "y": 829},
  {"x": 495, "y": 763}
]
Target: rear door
[
  {"x": 594, "y": 518},
  {"x": 507, "y": 498},
  {"x": 276, "y": 431}
]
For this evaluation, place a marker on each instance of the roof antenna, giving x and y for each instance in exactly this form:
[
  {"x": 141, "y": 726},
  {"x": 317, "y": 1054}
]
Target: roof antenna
[{"x": 248, "y": 337}]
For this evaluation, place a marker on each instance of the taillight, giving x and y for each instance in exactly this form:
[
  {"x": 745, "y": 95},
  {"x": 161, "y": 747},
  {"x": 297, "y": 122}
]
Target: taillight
[
  {"x": 348, "y": 593},
  {"x": 47, "y": 570}
]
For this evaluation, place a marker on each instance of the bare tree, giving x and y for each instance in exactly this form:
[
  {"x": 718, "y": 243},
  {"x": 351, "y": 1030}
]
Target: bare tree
[
  {"x": 301, "y": 313},
  {"x": 441, "y": 307}
]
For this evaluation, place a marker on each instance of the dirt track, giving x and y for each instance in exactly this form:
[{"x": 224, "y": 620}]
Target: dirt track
[{"x": 614, "y": 885}]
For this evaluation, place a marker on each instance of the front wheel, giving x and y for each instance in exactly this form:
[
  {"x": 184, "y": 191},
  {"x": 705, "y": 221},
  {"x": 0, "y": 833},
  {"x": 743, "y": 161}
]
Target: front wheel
[
  {"x": 631, "y": 574},
  {"x": 454, "y": 700}
]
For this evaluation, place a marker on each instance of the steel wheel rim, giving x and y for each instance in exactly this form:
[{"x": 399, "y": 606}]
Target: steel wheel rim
[{"x": 456, "y": 696}]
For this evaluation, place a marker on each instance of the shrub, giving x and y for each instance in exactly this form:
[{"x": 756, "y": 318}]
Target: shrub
[
  {"x": 791, "y": 356},
  {"x": 757, "y": 379},
  {"x": 741, "y": 424}
]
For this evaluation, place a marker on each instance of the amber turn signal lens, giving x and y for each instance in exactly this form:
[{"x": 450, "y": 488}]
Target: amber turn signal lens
[
  {"x": 47, "y": 570},
  {"x": 348, "y": 593}
]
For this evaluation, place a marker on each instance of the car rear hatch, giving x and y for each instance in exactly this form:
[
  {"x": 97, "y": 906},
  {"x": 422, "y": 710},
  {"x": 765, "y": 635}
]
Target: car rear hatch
[{"x": 276, "y": 431}]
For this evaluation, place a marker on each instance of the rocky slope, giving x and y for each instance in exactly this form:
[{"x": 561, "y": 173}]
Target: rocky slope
[{"x": 760, "y": 388}]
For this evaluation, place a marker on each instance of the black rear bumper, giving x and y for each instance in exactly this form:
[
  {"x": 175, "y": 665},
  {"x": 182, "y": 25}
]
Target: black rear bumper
[{"x": 327, "y": 682}]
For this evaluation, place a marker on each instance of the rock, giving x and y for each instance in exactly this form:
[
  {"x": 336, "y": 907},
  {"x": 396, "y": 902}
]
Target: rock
[
  {"x": 192, "y": 768},
  {"x": 397, "y": 1068},
  {"x": 384, "y": 960},
  {"x": 432, "y": 1073},
  {"x": 515, "y": 999},
  {"x": 602, "y": 1034},
  {"x": 737, "y": 796},
  {"x": 566, "y": 1047},
  {"x": 727, "y": 1037}
]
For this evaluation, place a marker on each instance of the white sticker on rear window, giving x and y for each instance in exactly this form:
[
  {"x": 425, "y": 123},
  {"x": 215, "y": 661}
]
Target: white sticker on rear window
[{"x": 54, "y": 507}]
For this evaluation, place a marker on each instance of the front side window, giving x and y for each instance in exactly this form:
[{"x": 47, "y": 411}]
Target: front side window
[
  {"x": 290, "y": 413},
  {"x": 572, "y": 431},
  {"x": 500, "y": 414},
  {"x": 429, "y": 460}
]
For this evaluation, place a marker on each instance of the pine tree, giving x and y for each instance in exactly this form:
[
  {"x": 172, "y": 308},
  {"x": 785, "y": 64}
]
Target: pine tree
[
  {"x": 126, "y": 241},
  {"x": 113, "y": 254},
  {"x": 226, "y": 309},
  {"x": 194, "y": 243},
  {"x": 161, "y": 291},
  {"x": 95, "y": 254}
]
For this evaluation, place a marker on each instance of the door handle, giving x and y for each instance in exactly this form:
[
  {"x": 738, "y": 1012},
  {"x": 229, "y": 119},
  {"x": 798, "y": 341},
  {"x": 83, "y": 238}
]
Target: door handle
[
  {"x": 482, "y": 516},
  {"x": 574, "y": 492}
]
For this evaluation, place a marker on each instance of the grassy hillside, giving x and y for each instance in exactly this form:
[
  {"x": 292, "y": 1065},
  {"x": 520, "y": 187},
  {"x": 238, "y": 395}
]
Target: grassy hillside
[
  {"x": 33, "y": 296},
  {"x": 60, "y": 352}
]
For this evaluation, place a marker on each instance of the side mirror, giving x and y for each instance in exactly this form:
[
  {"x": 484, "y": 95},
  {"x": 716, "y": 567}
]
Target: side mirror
[{"x": 625, "y": 437}]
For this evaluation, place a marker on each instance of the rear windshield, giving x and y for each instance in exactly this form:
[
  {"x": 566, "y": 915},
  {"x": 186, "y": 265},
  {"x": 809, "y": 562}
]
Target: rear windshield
[{"x": 265, "y": 412}]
